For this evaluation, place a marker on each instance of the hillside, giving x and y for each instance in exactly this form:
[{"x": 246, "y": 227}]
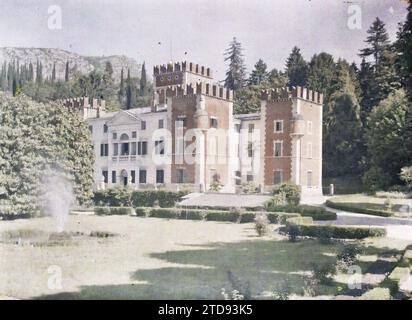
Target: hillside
[{"x": 83, "y": 64}]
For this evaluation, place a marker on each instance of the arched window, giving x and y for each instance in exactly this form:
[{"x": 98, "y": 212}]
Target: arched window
[{"x": 124, "y": 136}]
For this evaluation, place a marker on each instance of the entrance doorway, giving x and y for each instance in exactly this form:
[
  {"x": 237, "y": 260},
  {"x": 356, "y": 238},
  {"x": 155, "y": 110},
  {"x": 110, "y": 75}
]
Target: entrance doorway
[{"x": 124, "y": 176}]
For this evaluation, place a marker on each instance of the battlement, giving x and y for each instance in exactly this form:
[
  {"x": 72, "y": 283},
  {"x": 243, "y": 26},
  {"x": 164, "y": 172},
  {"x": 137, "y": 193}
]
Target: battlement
[
  {"x": 294, "y": 92},
  {"x": 182, "y": 67},
  {"x": 85, "y": 102},
  {"x": 200, "y": 88}
]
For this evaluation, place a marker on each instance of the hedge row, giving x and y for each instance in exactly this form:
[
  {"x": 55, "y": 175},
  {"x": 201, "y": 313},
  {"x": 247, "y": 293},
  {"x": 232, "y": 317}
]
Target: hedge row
[
  {"x": 337, "y": 232},
  {"x": 123, "y": 197},
  {"x": 354, "y": 208},
  {"x": 113, "y": 211},
  {"x": 317, "y": 213},
  {"x": 211, "y": 215}
]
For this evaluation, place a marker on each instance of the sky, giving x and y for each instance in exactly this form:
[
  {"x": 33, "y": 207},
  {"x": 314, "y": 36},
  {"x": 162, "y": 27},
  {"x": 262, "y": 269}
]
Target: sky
[{"x": 157, "y": 31}]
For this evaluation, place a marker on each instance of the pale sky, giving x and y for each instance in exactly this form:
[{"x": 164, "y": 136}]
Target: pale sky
[{"x": 202, "y": 28}]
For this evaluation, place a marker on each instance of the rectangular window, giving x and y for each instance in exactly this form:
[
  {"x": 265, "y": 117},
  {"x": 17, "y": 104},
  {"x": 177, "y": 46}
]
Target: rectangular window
[
  {"x": 115, "y": 149},
  {"x": 159, "y": 147},
  {"x": 142, "y": 148},
  {"x": 134, "y": 134},
  {"x": 143, "y": 125},
  {"x": 310, "y": 127},
  {"x": 278, "y": 146},
  {"x": 133, "y": 176},
  {"x": 160, "y": 176},
  {"x": 251, "y": 127},
  {"x": 91, "y": 129},
  {"x": 161, "y": 124},
  {"x": 142, "y": 176},
  {"x": 105, "y": 175},
  {"x": 113, "y": 176},
  {"x": 105, "y": 128},
  {"x": 309, "y": 179},
  {"x": 250, "y": 149},
  {"x": 125, "y": 149},
  {"x": 104, "y": 150},
  {"x": 249, "y": 177},
  {"x": 213, "y": 122},
  {"x": 278, "y": 126},
  {"x": 180, "y": 176},
  {"x": 134, "y": 149},
  {"x": 237, "y": 178},
  {"x": 277, "y": 177},
  {"x": 310, "y": 150},
  {"x": 114, "y": 135},
  {"x": 237, "y": 128}
]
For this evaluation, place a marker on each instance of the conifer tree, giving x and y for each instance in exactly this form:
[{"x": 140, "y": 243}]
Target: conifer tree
[
  {"x": 143, "y": 81},
  {"x": 296, "y": 68},
  {"x": 67, "y": 72},
  {"x": 259, "y": 73},
  {"x": 235, "y": 75}
]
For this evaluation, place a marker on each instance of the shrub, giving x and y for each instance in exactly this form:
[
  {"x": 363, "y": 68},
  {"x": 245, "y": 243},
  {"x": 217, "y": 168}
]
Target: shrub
[
  {"x": 290, "y": 191},
  {"x": 391, "y": 194},
  {"x": 279, "y": 199},
  {"x": 169, "y": 213},
  {"x": 324, "y": 273},
  {"x": 348, "y": 255},
  {"x": 142, "y": 211},
  {"x": 137, "y": 198},
  {"x": 247, "y": 217},
  {"x": 293, "y": 231},
  {"x": 390, "y": 284},
  {"x": 222, "y": 216},
  {"x": 192, "y": 214},
  {"x": 406, "y": 175},
  {"x": 215, "y": 186},
  {"x": 354, "y": 208},
  {"x": 261, "y": 224},
  {"x": 337, "y": 232},
  {"x": 317, "y": 213},
  {"x": 249, "y": 187},
  {"x": 280, "y": 217},
  {"x": 114, "y": 211}
]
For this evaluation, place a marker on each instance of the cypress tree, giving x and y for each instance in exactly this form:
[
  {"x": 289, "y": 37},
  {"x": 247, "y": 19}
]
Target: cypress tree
[{"x": 143, "y": 81}]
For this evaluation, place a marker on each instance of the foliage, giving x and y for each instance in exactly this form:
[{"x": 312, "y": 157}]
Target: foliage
[
  {"x": 323, "y": 273},
  {"x": 290, "y": 191},
  {"x": 235, "y": 76},
  {"x": 146, "y": 198},
  {"x": 259, "y": 74},
  {"x": 335, "y": 231},
  {"x": 215, "y": 186},
  {"x": 249, "y": 187},
  {"x": 113, "y": 211},
  {"x": 406, "y": 175},
  {"x": 296, "y": 68},
  {"x": 261, "y": 224},
  {"x": 388, "y": 140},
  {"x": 348, "y": 255},
  {"x": 38, "y": 139},
  {"x": 317, "y": 213}
]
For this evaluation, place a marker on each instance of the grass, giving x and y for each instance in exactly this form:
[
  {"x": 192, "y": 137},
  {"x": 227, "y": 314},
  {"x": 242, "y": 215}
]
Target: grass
[
  {"x": 363, "y": 203},
  {"x": 159, "y": 259}
]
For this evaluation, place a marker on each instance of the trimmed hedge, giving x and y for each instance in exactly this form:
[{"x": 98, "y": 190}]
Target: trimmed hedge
[
  {"x": 123, "y": 197},
  {"x": 317, "y": 213},
  {"x": 211, "y": 215},
  {"x": 353, "y": 208},
  {"x": 107, "y": 211},
  {"x": 337, "y": 232}
]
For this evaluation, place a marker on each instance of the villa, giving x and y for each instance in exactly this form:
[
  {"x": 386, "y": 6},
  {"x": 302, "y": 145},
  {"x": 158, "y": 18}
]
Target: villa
[{"x": 189, "y": 137}]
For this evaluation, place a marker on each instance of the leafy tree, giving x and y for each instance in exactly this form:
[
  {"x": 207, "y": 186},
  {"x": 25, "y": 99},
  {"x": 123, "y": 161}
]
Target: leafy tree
[
  {"x": 259, "y": 74},
  {"x": 276, "y": 79},
  {"x": 388, "y": 136},
  {"x": 321, "y": 71},
  {"x": 36, "y": 138},
  {"x": 296, "y": 68},
  {"x": 235, "y": 76},
  {"x": 247, "y": 100}
]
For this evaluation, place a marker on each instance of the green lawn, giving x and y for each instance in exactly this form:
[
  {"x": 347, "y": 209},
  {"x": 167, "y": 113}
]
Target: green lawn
[{"x": 153, "y": 258}]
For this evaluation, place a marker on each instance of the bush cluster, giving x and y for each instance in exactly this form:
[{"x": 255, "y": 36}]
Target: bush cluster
[
  {"x": 317, "y": 213},
  {"x": 106, "y": 211},
  {"x": 336, "y": 232},
  {"x": 124, "y": 197}
]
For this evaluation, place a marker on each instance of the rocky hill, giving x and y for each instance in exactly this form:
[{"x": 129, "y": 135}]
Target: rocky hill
[{"x": 83, "y": 64}]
